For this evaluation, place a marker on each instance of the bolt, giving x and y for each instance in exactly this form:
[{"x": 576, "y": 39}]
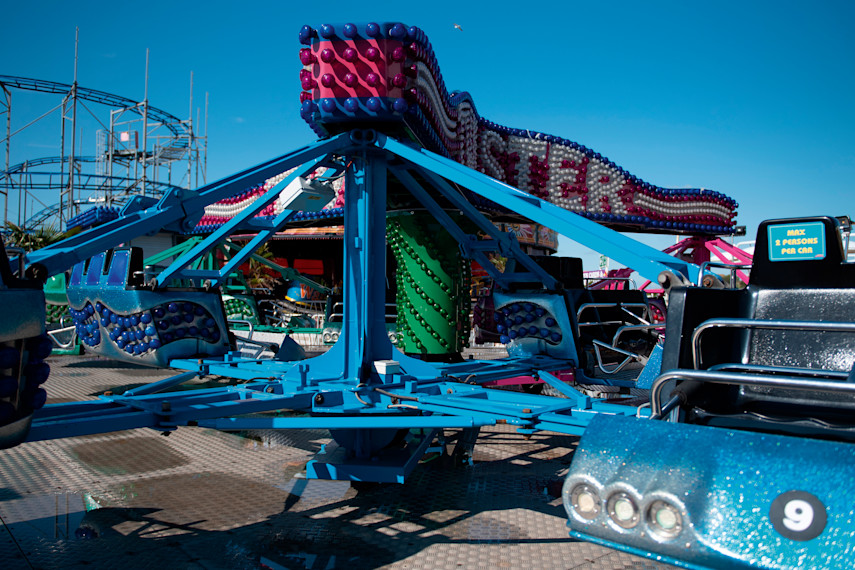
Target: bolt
[{"x": 319, "y": 399}]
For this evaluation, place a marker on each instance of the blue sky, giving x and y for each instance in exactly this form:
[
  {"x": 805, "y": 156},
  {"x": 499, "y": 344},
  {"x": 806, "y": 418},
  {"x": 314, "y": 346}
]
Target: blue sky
[{"x": 752, "y": 99}]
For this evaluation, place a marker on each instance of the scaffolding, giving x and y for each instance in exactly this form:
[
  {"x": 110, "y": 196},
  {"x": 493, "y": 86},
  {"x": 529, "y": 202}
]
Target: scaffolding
[{"x": 139, "y": 150}]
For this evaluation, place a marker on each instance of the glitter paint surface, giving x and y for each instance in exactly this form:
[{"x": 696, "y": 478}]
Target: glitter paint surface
[{"x": 724, "y": 484}]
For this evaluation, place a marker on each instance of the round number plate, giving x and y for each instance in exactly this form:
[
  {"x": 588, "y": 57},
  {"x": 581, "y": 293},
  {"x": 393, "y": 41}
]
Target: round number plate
[{"x": 798, "y": 515}]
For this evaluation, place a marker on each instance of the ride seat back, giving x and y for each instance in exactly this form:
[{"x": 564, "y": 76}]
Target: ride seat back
[
  {"x": 811, "y": 290},
  {"x": 817, "y": 286},
  {"x": 805, "y": 293},
  {"x": 823, "y": 350}
]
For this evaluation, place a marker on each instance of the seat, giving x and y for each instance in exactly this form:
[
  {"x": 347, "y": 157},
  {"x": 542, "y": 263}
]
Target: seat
[{"x": 789, "y": 335}]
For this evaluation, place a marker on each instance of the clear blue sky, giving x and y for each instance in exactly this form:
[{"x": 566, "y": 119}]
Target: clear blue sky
[{"x": 752, "y": 99}]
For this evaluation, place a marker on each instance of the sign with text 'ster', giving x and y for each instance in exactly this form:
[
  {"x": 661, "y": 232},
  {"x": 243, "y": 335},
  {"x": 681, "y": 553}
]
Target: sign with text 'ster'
[{"x": 797, "y": 242}]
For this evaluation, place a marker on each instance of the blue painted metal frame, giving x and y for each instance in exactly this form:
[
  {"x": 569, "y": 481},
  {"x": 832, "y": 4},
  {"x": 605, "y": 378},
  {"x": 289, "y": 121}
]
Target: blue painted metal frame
[
  {"x": 180, "y": 209},
  {"x": 342, "y": 387},
  {"x": 648, "y": 261},
  {"x": 436, "y": 403},
  {"x": 394, "y": 467},
  {"x": 506, "y": 243},
  {"x": 177, "y": 267}
]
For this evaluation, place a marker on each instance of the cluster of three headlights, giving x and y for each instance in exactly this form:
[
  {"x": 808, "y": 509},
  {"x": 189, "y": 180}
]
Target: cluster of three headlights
[{"x": 584, "y": 503}]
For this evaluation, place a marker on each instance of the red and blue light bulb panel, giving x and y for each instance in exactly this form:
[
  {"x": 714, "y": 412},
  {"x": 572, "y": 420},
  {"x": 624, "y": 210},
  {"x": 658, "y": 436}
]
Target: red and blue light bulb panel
[{"x": 355, "y": 71}]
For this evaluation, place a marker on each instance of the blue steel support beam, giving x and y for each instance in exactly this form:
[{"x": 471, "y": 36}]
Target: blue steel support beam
[
  {"x": 158, "y": 411},
  {"x": 648, "y": 261},
  {"x": 363, "y": 337},
  {"x": 226, "y": 230},
  {"x": 364, "y": 321},
  {"x": 507, "y": 243},
  {"x": 397, "y": 421},
  {"x": 452, "y": 405},
  {"x": 582, "y": 400},
  {"x": 465, "y": 240},
  {"x": 181, "y": 206},
  {"x": 278, "y": 223},
  {"x": 160, "y": 385}
]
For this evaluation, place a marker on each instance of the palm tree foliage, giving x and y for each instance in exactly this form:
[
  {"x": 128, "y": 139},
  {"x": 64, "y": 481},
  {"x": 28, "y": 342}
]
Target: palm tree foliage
[{"x": 31, "y": 239}]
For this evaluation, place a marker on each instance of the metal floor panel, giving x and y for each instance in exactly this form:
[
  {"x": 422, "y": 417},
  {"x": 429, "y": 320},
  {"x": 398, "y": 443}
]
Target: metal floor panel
[{"x": 201, "y": 499}]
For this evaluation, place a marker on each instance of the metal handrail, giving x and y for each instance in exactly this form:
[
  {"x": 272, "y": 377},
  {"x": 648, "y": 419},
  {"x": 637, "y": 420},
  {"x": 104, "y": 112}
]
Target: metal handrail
[
  {"x": 711, "y": 377},
  {"x": 591, "y": 281},
  {"x": 734, "y": 267},
  {"x": 781, "y": 370},
  {"x": 629, "y": 357},
  {"x": 762, "y": 324},
  {"x": 625, "y": 328}
]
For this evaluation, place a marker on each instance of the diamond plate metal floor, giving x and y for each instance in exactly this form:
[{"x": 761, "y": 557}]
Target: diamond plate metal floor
[{"x": 205, "y": 499}]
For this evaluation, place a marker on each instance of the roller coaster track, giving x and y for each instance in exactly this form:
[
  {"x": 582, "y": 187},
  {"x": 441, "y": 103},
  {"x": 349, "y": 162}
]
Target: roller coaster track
[
  {"x": 116, "y": 182},
  {"x": 168, "y": 120},
  {"x": 23, "y": 167},
  {"x": 91, "y": 182},
  {"x": 45, "y": 214}
]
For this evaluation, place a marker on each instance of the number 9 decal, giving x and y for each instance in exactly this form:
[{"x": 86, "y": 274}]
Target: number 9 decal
[{"x": 798, "y": 515}]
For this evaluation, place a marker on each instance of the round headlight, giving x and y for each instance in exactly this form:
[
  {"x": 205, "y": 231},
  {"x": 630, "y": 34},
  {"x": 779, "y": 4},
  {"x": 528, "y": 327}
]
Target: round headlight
[
  {"x": 584, "y": 500},
  {"x": 664, "y": 519},
  {"x": 622, "y": 510}
]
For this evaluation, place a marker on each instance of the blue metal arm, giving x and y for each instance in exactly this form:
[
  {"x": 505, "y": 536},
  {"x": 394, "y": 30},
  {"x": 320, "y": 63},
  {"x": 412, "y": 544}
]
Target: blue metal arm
[
  {"x": 648, "y": 261},
  {"x": 180, "y": 207},
  {"x": 215, "y": 238},
  {"x": 287, "y": 273},
  {"x": 502, "y": 241},
  {"x": 465, "y": 240}
]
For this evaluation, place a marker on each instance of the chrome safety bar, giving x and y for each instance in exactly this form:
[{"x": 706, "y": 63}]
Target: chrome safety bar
[
  {"x": 781, "y": 371},
  {"x": 628, "y": 357},
  {"x": 762, "y": 324},
  {"x": 643, "y": 317},
  {"x": 52, "y": 333},
  {"x": 717, "y": 377},
  {"x": 734, "y": 267},
  {"x": 631, "y": 328},
  {"x": 249, "y": 325},
  {"x": 260, "y": 346}
]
